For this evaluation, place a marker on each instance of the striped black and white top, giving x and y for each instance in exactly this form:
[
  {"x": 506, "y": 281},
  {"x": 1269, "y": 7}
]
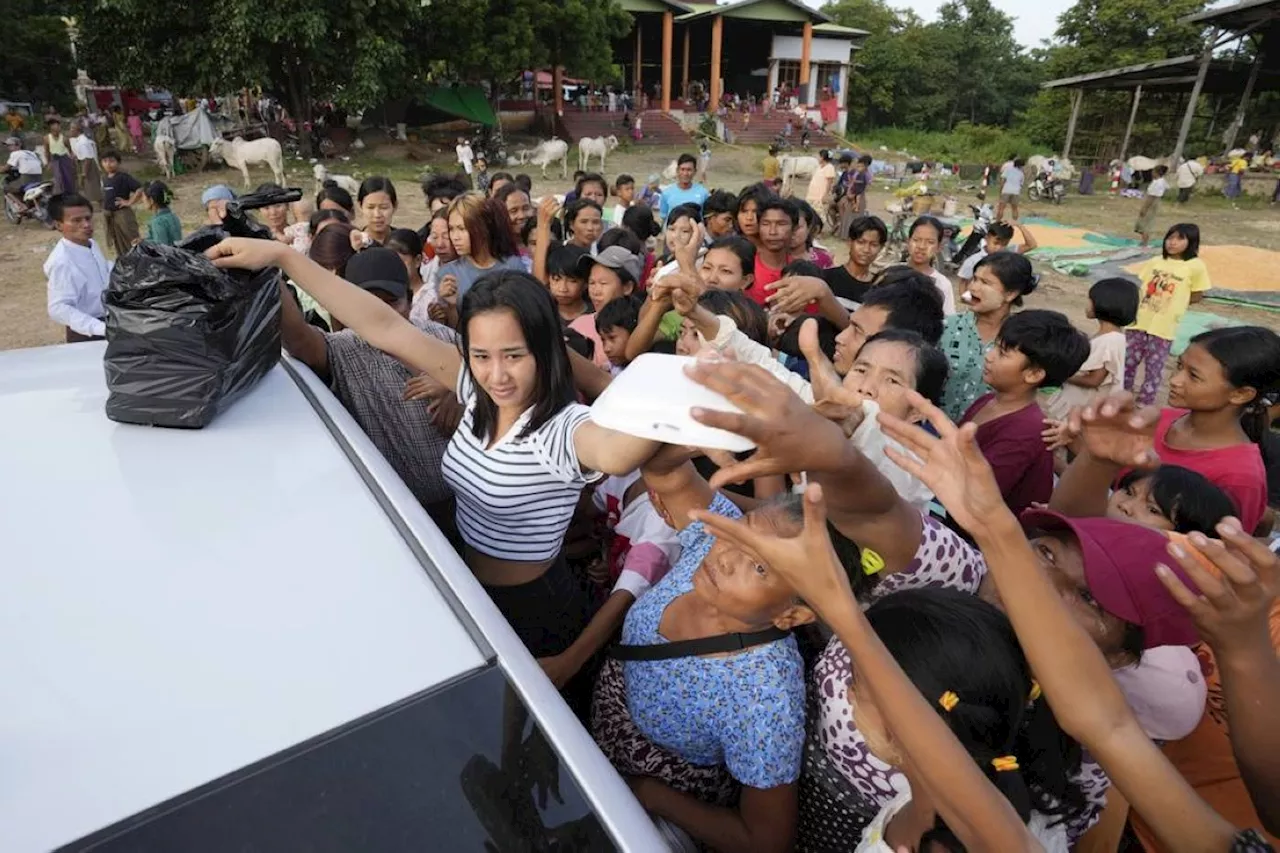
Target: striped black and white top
[{"x": 516, "y": 498}]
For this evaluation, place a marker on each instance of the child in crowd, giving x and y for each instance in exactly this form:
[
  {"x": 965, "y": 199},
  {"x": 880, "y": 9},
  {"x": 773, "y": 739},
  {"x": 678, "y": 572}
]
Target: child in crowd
[
  {"x": 614, "y": 324},
  {"x": 1168, "y": 285},
  {"x": 612, "y": 274},
  {"x": 120, "y": 192},
  {"x": 584, "y": 223},
  {"x": 1113, "y": 302},
  {"x": 164, "y": 227},
  {"x": 998, "y": 239},
  {"x": 572, "y": 195},
  {"x": 406, "y": 243},
  {"x": 1034, "y": 349},
  {"x": 624, "y": 188},
  {"x": 567, "y": 282}
]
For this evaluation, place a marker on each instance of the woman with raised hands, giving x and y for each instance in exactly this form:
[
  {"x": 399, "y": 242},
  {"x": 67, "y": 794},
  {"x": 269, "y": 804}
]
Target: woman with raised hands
[
  {"x": 1039, "y": 581},
  {"x": 525, "y": 448}
]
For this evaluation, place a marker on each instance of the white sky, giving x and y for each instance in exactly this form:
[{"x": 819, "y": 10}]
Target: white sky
[{"x": 1031, "y": 21}]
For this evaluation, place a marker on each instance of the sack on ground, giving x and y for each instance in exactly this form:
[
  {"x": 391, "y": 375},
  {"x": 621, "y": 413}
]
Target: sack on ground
[{"x": 185, "y": 339}]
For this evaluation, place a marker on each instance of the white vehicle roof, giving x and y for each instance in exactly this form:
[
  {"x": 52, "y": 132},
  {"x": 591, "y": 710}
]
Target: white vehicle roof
[{"x": 178, "y": 605}]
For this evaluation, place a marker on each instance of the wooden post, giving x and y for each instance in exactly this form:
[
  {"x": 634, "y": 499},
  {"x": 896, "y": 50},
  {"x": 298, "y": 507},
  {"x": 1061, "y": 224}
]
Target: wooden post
[
  {"x": 1238, "y": 122},
  {"x": 1205, "y": 57},
  {"x": 1071, "y": 124},
  {"x": 668, "y": 22},
  {"x": 557, "y": 94},
  {"x": 806, "y": 49},
  {"x": 1128, "y": 128},
  {"x": 684, "y": 87},
  {"x": 637, "y": 78},
  {"x": 717, "y": 34}
]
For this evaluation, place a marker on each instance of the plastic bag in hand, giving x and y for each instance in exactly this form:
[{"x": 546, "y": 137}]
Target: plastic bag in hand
[{"x": 184, "y": 338}]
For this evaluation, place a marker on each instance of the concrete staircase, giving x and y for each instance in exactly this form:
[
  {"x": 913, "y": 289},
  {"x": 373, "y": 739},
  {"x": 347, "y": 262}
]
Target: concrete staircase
[
  {"x": 658, "y": 127},
  {"x": 762, "y": 130}
]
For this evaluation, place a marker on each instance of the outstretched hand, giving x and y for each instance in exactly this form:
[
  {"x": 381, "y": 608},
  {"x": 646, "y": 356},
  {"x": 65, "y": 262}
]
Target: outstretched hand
[
  {"x": 831, "y": 399},
  {"x": 950, "y": 464},
  {"x": 1232, "y": 609},
  {"x": 807, "y": 562},
  {"x": 1115, "y": 430},
  {"x": 790, "y": 436}
]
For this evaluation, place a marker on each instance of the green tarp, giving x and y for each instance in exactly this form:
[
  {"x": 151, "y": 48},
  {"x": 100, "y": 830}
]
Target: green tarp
[{"x": 464, "y": 102}]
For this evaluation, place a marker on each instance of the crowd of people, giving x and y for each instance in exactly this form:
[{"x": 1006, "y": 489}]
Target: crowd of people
[{"x": 967, "y": 592}]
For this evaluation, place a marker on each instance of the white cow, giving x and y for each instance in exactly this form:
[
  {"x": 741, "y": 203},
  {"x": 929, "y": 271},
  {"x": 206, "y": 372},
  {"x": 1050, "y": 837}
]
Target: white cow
[
  {"x": 548, "y": 152},
  {"x": 795, "y": 167},
  {"x": 347, "y": 182},
  {"x": 166, "y": 150},
  {"x": 595, "y": 146},
  {"x": 238, "y": 154}
]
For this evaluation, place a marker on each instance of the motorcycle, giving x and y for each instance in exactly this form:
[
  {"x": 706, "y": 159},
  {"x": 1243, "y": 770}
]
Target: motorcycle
[
  {"x": 35, "y": 201},
  {"x": 982, "y": 218},
  {"x": 1048, "y": 187}
]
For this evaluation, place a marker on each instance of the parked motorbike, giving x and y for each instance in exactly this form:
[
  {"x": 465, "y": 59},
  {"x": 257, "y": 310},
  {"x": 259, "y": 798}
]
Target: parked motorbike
[
  {"x": 982, "y": 218},
  {"x": 1047, "y": 187},
  {"x": 35, "y": 201}
]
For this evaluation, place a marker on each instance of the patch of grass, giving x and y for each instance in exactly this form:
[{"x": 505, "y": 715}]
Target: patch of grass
[{"x": 966, "y": 143}]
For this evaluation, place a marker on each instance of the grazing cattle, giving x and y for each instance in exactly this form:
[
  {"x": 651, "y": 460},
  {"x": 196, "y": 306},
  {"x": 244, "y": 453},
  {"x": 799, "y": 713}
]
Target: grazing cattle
[
  {"x": 239, "y": 154},
  {"x": 549, "y": 152},
  {"x": 519, "y": 158},
  {"x": 595, "y": 146},
  {"x": 166, "y": 149},
  {"x": 347, "y": 182},
  {"x": 795, "y": 167}
]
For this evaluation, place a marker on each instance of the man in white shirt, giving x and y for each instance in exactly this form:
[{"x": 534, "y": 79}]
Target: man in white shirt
[
  {"x": 465, "y": 155},
  {"x": 28, "y": 166},
  {"x": 1188, "y": 174},
  {"x": 77, "y": 271}
]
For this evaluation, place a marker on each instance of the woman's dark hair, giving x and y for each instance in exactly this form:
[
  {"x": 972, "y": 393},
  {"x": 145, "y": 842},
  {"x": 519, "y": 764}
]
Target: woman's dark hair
[
  {"x": 759, "y": 193},
  {"x": 948, "y": 641},
  {"x": 746, "y": 315},
  {"x": 377, "y": 184},
  {"x": 1250, "y": 358},
  {"x": 524, "y": 182},
  {"x": 623, "y": 311},
  {"x": 330, "y": 191},
  {"x": 1187, "y": 498},
  {"x": 811, "y": 218},
  {"x": 564, "y": 260},
  {"x": 1188, "y": 231},
  {"x": 507, "y": 190},
  {"x": 910, "y": 300},
  {"x": 684, "y": 211},
  {"x": 534, "y": 309},
  {"x": 862, "y": 224},
  {"x": 740, "y": 246},
  {"x": 530, "y": 225},
  {"x": 501, "y": 176},
  {"x": 663, "y": 347},
  {"x": 931, "y": 221},
  {"x": 268, "y": 187},
  {"x": 159, "y": 193},
  {"x": 591, "y": 178},
  {"x": 331, "y": 248},
  {"x": 932, "y": 367},
  {"x": 576, "y": 207},
  {"x": 802, "y": 267},
  {"x": 1115, "y": 301},
  {"x": 324, "y": 215},
  {"x": 405, "y": 241},
  {"x": 1013, "y": 271},
  {"x": 640, "y": 221},
  {"x": 624, "y": 238},
  {"x": 720, "y": 201}
]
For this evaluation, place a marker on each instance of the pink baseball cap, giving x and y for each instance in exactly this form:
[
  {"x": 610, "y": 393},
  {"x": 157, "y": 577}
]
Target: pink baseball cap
[{"x": 1120, "y": 568}]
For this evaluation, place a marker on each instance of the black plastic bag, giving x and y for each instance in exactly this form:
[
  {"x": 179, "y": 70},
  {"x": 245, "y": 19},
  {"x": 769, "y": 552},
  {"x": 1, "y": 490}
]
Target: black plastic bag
[{"x": 185, "y": 339}]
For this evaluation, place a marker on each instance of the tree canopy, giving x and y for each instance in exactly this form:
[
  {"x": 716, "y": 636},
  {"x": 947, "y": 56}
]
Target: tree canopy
[{"x": 37, "y": 63}]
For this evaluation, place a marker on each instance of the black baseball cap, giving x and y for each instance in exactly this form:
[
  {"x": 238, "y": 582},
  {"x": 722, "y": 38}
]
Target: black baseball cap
[{"x": 379, "y": 269}]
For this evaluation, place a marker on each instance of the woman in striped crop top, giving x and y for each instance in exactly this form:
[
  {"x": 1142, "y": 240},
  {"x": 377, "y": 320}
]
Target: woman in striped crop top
[{"x": 524, "y": 449}]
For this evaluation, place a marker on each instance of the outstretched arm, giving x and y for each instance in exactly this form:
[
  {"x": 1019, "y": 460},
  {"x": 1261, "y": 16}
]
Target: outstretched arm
[{"x": 357, "y": 309}]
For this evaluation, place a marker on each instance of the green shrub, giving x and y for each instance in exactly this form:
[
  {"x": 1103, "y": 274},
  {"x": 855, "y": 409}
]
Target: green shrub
[{"x": 966, "y": 143}]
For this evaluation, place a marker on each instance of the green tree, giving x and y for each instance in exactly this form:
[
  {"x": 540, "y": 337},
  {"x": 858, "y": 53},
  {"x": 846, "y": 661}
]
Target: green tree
[{"x": 37, "y": 63}]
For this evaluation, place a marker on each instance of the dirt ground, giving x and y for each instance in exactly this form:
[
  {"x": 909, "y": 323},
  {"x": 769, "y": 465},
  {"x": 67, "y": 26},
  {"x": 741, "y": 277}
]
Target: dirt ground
[{"x": 25, "y": 323}]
